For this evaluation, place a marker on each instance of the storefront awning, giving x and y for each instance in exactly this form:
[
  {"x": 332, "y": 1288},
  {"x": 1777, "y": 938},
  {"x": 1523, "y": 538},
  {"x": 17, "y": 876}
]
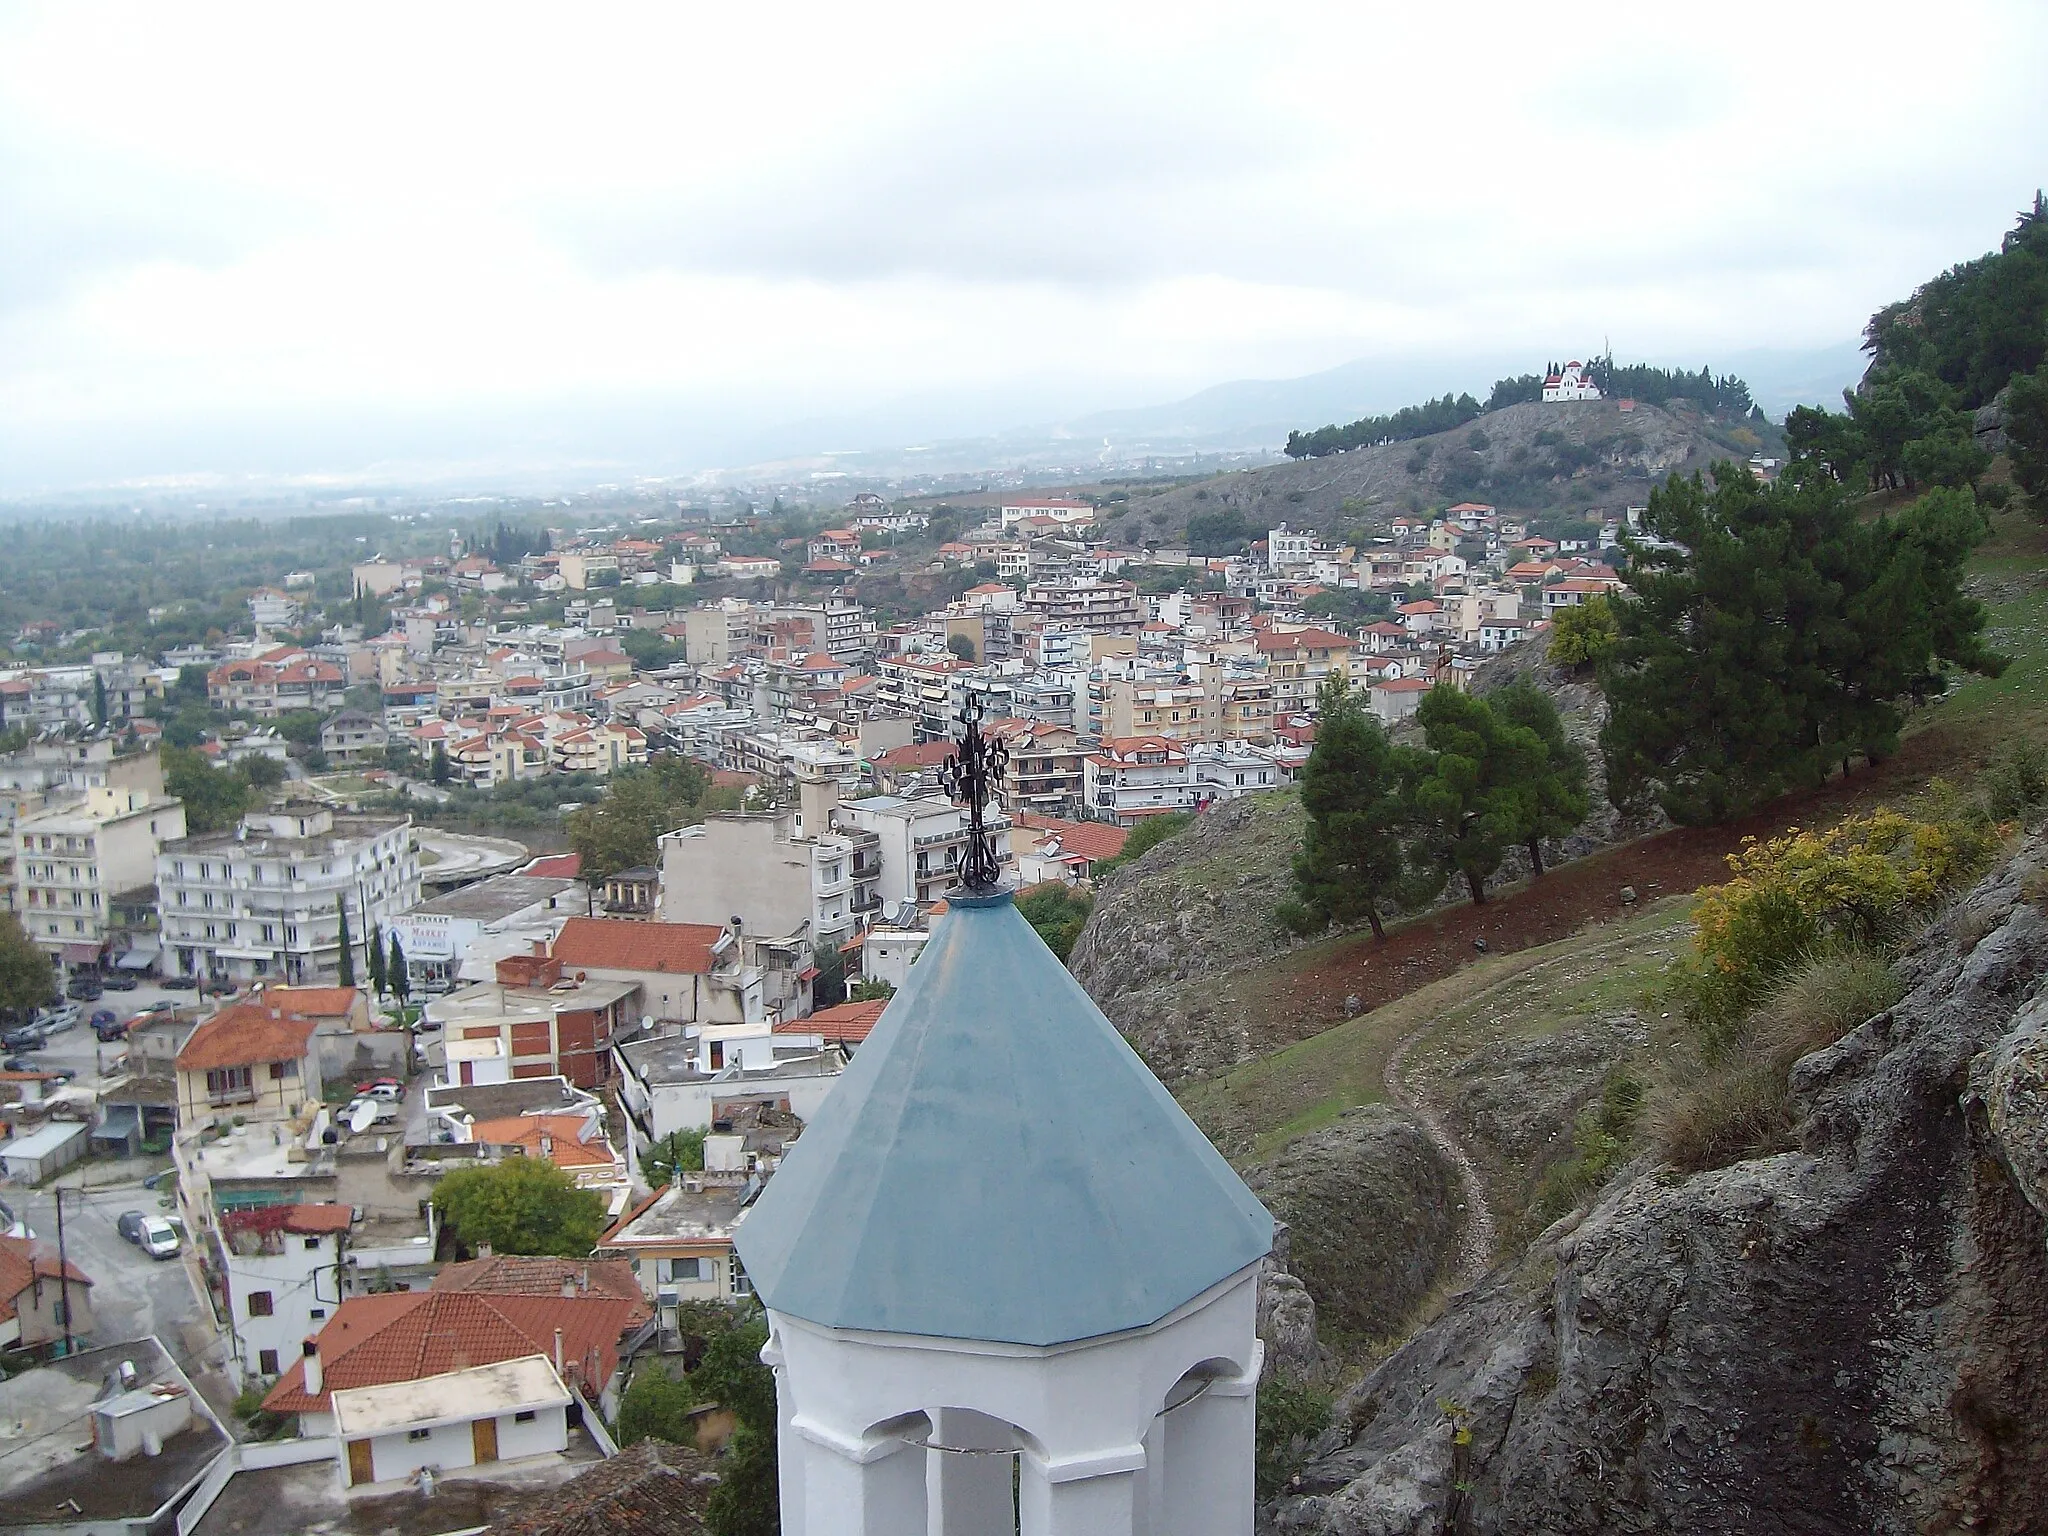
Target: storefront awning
[{"x": 139, "y": 958}]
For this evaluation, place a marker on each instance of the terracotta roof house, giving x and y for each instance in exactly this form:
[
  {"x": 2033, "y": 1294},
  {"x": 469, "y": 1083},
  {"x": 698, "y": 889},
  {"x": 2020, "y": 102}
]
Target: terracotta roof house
[
  {"x": 373, "y": 1341},
  {"x": 841, "y": 1024},
  {"x": 34, "y": 1290},
  {"x": 508, "y": 1274},
  {"x": 252, "y": 1059},
  {"x": 673, "y": 963}
]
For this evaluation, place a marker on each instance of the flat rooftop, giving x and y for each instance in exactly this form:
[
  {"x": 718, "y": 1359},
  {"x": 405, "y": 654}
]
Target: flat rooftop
[
  {"x": 347, "y": 830},
  {"x": 502, "y": 1387},
  {"x": 307, "y": 1500},
  {"x": 669, "y": 1060},
  {"x": 495, "y": 899},
  {"x": 49, "y": 1472},
  {"x": 680, "y": 1215},
  {"x": 494, "y": 1101}
]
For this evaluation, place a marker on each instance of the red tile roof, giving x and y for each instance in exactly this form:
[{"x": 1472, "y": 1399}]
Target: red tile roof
[
  {"x": 563, "y": 1134},
  {"x": 313, "y": 1002},
  {"x": 243, "y": 1035},
  {"x": 556, "y": 866},
  {"x": 621, "y": 944},
  {"x": 919, "y": 754},
  {"x": 848, "y": 1023},
  {"x": 521, "y": 1275},
  {"x": 22, "y": 1262},
  {"x": 1091, "y": 839},
  {"x": 372, "y": 1341}
]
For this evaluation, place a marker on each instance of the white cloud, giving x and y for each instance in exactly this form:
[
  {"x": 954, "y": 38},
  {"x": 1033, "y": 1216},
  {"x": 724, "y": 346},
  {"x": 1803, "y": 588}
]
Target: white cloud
[{"x": 267, "y": 209}]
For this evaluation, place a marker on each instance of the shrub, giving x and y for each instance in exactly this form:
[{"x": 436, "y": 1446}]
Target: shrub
[
  {"x": 1724, "y": 1118},
  {"x": 2015, "y": 782},
  {"x": 656, "y": 1406},
  {"x": 1821, "y": 1001},
  {"x": 1580, "y": 636},
  {"x": 1798, "y": 895},
  {"x": 1291, "y": 1414}
]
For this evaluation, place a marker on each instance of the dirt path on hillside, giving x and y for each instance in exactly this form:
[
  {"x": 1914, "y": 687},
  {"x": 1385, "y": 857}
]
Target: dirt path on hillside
[{"x": 1476, "y": 1233}]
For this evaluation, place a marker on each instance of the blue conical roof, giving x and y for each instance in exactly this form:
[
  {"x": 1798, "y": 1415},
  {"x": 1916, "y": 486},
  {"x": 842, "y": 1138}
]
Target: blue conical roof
[{"x": 996, "y": 1163}]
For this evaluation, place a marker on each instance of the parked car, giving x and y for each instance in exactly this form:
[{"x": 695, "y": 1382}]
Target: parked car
[
  {"x": 129, "y": 1225},
  {"x": 19, "y": 1064},
  {"x": 382, "y": 1088},
  {"x": 218, "y": 987},
  {"x": 159, "y": 1238},
  {"x": 161, "y": 1005},
  {"x": 120, "y": 981},
  {"x": 56, "y": 1020},
  {"x": 62, "y": 1074},
  {"x": 85, "y": 987},
  {"x": 110, "y": 1031},
  {"x": 180, "y": 983}
]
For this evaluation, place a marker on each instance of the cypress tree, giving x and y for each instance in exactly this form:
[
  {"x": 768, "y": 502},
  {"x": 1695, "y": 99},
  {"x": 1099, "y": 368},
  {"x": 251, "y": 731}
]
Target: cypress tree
[
  {"x": 374, "y": 953},
  {"x": 348, "y": 952},
  {"x": 395, "y": 975}
]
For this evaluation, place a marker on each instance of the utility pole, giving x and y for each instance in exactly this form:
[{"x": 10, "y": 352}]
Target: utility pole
[{"x": 63, "y": 1269}]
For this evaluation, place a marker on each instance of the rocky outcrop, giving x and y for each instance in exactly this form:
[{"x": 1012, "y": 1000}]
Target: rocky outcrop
[
  {"x": 1372, "y": 1209},
  {"x": 1198, "y": 904},
  {"x": 1847, "y": 1338}
]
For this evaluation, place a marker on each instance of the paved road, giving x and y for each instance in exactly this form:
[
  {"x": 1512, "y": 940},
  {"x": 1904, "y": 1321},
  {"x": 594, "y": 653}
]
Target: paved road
[
  {"x": 132, "y": 1294},
  {"x": 459, "y": 857}
]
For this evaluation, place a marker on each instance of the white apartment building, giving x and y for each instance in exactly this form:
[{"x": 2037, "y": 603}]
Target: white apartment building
[
  {"x": 1288, "y": 550},
  {"x": 1225, "y": 770},
  {"x": 282, "y": 1277},
  {"x": 1134, "y": 777},
  {"x": 1058, "y": 509},
  {"x": 921, "y": 843},
  {"x": 77, "y": 851},
  {"x": 783, "y": 884},
  {"x": 266, "y": 899}
]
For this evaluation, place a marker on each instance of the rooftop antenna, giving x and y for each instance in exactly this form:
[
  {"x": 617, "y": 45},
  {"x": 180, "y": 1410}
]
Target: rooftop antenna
[{"x": 970, "y": 776}]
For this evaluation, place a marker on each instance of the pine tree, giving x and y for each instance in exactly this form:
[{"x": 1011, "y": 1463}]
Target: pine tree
[
  {"x": 348, "y": 953},
  {"x": 1355, "y": 788},
  {"x": 1474, "y": 799},
  {"x": 374, "y": 953},
  {"x": 1555, "y": 800},
  {"x": 394, "y": 972}
]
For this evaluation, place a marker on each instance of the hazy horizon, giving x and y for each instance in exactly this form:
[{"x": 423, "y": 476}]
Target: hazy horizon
[{"x": 259, "y": 246}]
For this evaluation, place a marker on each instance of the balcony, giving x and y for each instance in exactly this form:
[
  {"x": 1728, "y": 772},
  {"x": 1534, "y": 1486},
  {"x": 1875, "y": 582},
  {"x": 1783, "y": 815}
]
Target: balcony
[
  {"x": 867, "y": 869},
  {"x": 865, "y": 901}
]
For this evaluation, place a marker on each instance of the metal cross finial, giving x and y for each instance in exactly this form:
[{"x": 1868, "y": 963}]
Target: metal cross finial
[{"x": 972, "y": 776}]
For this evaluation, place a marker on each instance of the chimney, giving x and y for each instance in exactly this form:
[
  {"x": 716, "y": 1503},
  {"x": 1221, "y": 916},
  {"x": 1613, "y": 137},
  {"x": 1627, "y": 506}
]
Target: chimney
[
  {"x": 483, "y": 1250},
  {"x": 558, "y": 1351},
  {"x": 568, "y": 1285},
  {"x": 316, "y": 1378}
]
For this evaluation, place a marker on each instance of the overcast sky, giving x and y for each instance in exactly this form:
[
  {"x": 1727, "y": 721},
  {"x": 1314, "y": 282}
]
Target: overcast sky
[{"x": 219, "y": 220}]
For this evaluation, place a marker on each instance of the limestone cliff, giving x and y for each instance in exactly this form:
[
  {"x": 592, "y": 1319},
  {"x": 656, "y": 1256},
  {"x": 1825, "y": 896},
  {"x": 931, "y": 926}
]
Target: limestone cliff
[{"x": 1847, "y": 1338}]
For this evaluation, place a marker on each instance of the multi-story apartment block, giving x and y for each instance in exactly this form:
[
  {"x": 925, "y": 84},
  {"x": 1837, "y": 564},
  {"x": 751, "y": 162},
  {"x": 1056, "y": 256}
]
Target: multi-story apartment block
[
  {"x": 1289, "y": 550},
  {"x": 1132, "y": 778},
  {"x": 919, "y": 843},
  {"x": 277, "y": 682},
  {"x": 272, "y": 608},
  {"x": 1299, "y": 660},
  {"x": 1177, "y": 711},
  {"x": 793, "y": 881},
  {"x": 1101, "y": 607},
  {"x": 78, "y": 851},
  {"x": 1047, "y": 766},
  {"x": 266, "y": 898},
  {"x": 1226, "y": 770}
]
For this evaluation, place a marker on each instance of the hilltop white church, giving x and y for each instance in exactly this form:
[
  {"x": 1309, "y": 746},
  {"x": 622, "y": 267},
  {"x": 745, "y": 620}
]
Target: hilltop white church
[{"x": 1569, "y": 383}]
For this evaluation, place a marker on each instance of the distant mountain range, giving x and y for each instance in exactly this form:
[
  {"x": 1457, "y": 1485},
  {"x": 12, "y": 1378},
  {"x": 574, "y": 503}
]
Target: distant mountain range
[{"x": 1255, "y": 415}]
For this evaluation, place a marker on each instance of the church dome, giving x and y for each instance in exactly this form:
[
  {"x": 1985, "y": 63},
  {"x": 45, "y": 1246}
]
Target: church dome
[{"x": 997, "y": 1164}]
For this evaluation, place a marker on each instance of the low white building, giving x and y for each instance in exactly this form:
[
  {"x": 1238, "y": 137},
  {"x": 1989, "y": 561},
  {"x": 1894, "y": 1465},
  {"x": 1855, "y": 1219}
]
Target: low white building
[
  {"x": 490, "y": 1413},
  {"x": 688, "y": 1081},
  {"x": 1569, "y": 383}
]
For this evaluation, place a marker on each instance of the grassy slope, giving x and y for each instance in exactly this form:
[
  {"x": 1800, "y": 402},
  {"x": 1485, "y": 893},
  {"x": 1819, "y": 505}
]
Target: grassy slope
[
  {"x": 1255, "y": 1110},
  {"x": 2011, "y": 574}
]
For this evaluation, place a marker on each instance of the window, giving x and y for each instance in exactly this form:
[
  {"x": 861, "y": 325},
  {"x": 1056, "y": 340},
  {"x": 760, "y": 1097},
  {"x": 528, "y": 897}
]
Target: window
[
  {"x": 740, "y": 1284},
  {"x": 281, "y": 1071},
  {"x": 312, "y": 1242},
  {"x": 266, "y": 1362},
  {"x": 60, "y": 1312},
  {"x": 316, "y": 1313},
  {"x": 419, "y": 1434},
  {"x": 259, "y": 1303},
  {"x": 525, "y": 1416}
]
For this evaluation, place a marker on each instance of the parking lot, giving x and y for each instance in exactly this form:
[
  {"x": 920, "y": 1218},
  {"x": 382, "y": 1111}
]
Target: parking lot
[{"x": 77, "y": 1049}]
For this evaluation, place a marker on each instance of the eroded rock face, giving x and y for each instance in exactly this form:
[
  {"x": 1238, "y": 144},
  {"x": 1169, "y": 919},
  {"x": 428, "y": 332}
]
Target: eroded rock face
[
  {"x": 1373, "y": 1212},
  {"x": 1847, "y": 1338}
]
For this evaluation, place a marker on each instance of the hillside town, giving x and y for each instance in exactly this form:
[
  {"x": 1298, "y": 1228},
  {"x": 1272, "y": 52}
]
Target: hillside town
[{"x": 324, "y": 1026}]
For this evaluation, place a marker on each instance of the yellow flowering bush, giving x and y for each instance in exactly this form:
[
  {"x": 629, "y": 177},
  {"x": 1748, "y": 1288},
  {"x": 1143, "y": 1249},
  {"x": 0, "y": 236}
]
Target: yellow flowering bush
[{"x": 1794, "y": 895}]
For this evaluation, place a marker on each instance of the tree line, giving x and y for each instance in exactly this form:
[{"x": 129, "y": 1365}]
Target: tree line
[
  {"x": 1719, "y": 394},
  {"x": 1391, "y": 823},
  {"x": 1973, "y": 336}
]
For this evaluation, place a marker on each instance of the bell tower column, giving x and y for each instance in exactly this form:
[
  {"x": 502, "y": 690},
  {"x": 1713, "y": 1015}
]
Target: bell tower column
[
  {"x": 1209, "y": 1477},
  {"x": 861, "y": 1490},
  {"x": 1102, "y": 1504}
]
